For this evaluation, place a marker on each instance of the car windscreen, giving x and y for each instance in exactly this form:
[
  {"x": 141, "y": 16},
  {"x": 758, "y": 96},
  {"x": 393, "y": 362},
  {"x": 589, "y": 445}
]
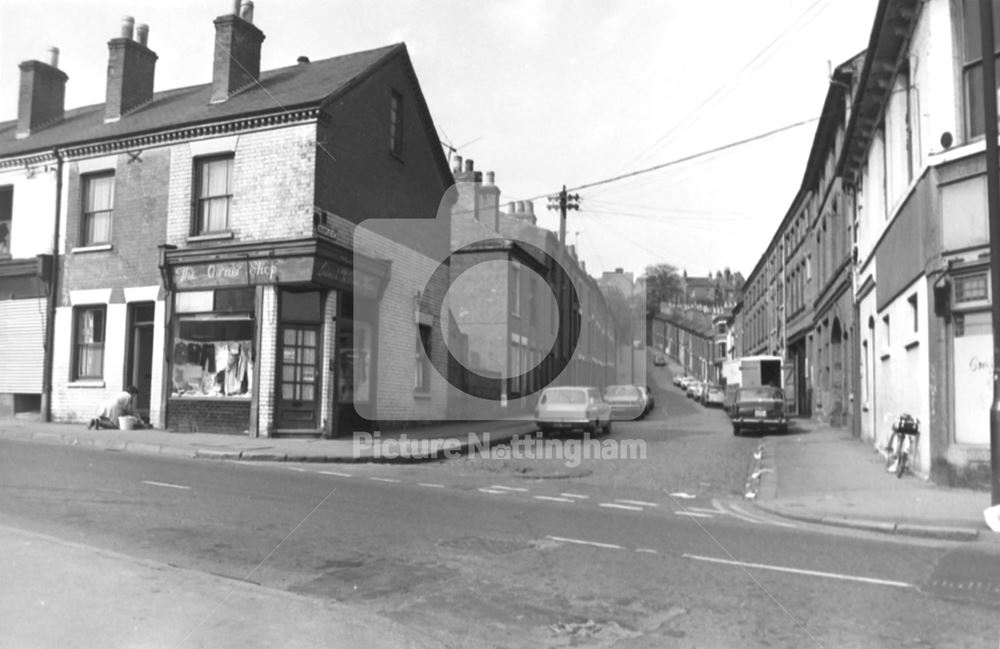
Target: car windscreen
[
  {"x": 621, "y": 391},
  {"x": 564, "y": 396},
  {"x": 760, "y": 393}
]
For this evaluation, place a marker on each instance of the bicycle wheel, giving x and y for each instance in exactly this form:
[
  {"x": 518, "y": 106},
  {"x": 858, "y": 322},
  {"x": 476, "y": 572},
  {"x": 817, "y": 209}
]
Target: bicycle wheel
[
  {"x": 901, "y": 465},
  {"x": 892, "y": 452}
]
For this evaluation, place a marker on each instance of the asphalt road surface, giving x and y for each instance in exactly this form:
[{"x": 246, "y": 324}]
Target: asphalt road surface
[{"x": 482, "y": 557}]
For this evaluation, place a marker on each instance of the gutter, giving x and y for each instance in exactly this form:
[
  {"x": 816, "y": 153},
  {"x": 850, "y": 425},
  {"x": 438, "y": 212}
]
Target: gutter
[{"x": 53, "y": 292}]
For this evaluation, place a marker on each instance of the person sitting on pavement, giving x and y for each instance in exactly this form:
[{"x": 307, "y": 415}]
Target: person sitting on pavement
[{"x": 120, "y": 405}]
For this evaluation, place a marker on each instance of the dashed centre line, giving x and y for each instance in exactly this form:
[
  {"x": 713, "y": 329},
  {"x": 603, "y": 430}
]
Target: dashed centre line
[
  {"x": 384, "y": 479},
  {"x": 693, "y": 514},
  {"x": 493, "y": 491},
  {"x": 630, "y": 508},
  {"x": 166, "y": 484},
  {"x": 580, "y": 496},
  {"x": 556, "y": 499},
  {"x": 562, "y": 539},
  {"x": 638, "y": 503},
  {"x": 497, "y": 486},
  {"x": 336, "y": 473},
  {"x": 431, "y": 485}
]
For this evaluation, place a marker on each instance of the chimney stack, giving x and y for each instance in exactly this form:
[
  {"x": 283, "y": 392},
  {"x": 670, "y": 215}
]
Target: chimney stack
[
  {"x": 42, "y": 95},
  {"x": 236, "y": 64},
  {"x": 131, "y": 67}
]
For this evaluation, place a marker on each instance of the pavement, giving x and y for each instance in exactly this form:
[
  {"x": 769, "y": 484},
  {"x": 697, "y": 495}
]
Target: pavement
[
  {"x": 823, "y": 475},
  {"x": 446, "y": 439}
]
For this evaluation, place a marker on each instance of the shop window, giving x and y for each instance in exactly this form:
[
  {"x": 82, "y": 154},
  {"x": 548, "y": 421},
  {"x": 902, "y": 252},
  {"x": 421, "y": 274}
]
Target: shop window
[
  {"x": 6, "y": 219},
  {"x": 422, "y": 382},
  {"x": 214, "y": 194},
  {"x": 88, "y": 338},
  {"x": 212, "y": 350},
  {"x": 98, "y": 206}
]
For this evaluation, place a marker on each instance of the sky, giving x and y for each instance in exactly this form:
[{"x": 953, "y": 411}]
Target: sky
[{"x": 545, "y": 93}]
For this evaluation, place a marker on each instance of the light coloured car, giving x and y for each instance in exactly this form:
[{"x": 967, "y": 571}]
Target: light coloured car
[
  {"x": 715, "y": 396},
  {"x": 569, "y": 408},
  {"x": 659, "y": 360},
  {"x": 626, "y": 402},
  {"x": 647, "y": 399},
  {"x": 692, "y": 388}
]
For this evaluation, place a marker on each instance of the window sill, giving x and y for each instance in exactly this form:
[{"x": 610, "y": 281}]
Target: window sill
[
  {"x": 421, "y": 396},
  {"x": 100, "y": 247},
  {"x": 884, "y": 357},
  {"x": 86, "y": 383},
  {"x": 211, "y": 236},
  {"x": 911, "y": 345}
]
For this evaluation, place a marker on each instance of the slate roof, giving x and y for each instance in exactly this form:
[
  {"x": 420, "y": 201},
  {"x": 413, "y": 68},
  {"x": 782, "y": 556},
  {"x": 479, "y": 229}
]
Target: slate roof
[{"x": 298, "y": 86}]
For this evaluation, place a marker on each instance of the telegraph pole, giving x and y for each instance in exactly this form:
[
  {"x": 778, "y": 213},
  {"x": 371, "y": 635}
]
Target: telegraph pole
[
  {"x": 564, "y": 202},
  {"x": 993, "y": 202}
]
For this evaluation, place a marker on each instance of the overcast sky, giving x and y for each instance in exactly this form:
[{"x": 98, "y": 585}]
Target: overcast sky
[{"x": 544, "y": 93}]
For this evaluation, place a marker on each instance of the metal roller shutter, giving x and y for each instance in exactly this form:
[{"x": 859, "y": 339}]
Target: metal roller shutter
[{"x": 22, "y": 352}]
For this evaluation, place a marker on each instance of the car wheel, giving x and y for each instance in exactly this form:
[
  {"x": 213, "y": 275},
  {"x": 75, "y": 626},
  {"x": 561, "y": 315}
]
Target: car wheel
[
  {"x": 736, "y": 430},
  {"x": 607, "y": 427}
]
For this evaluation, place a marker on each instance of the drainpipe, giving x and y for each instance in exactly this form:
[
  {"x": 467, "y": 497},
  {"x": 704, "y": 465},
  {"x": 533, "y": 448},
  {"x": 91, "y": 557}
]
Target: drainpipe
[{"x": 50, "y": 307}]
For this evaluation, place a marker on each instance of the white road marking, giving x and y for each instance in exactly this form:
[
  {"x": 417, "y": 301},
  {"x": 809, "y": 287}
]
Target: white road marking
[
  {"x": 646, "y": 550},
  {"x": 800, "y": 571},
  {"x": 639, "y": 503},
  {"x": 580, "y": 496},
  {"x": 681, "y": 494},
  {"x": 739, "y": 509},
  {"x": 498, "y": 486},
  {"x": 693, "y": 514},
  {"x": 555, "y": 499},
  {"x": 165, "y": 484},
  {"x": 337, "y": 473},
  {"x": 617, "y": 506},
  {"x": 383, "y": 479},
  {"x": 722, "y": 510},
  {"x": 430, "y": 484},
  {"x": 703, "y": 510},
  {"x": 295, "y": 468},
  {"x": 492, "y": 491},
  {"x": 610, "y": 546}
]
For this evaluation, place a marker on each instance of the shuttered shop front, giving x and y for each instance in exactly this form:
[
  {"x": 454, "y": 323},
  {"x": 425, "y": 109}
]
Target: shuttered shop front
[{"x": 22, "y": 332}]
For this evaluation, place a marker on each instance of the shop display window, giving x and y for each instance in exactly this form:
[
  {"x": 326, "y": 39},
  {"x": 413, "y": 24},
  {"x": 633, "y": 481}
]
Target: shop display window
[{"x": 213, "y": 353}]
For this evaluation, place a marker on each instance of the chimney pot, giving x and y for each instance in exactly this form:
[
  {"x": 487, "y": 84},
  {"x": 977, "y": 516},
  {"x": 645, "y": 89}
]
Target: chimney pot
[
  {"x": 127, "y": 23},
  {"x": 512, "y": 207},
  {"x": 236, "y": 7},
  {"x": 54, "y": 57},
  {"x": 246, "y": 11},
  {"x": 458, "y": 164},
  {"x": 469, "y": 165},
  {"x": 530, "y": 206},
  {"x": 142, "y": 34},
  {"x": 490, "y": 176},
  {"x": 520, "y": 207}
]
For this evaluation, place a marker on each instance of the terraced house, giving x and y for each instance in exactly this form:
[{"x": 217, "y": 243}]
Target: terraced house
[
  {"x": 883, "y": 256},
  {"x": 205, "y": 239}
]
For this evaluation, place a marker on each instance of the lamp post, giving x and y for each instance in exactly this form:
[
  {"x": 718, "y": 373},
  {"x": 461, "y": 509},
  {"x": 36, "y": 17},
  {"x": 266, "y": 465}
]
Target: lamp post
[{"x": 993, "y": 202}]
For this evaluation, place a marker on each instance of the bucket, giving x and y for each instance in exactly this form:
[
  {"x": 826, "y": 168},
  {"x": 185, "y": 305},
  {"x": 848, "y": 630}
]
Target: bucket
[{"x": 127, "y": 422}]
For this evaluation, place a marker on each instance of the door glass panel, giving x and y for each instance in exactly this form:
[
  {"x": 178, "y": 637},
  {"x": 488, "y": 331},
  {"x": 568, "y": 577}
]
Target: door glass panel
[
  {"x": 308, "y": 357},
  {"x": 307, "y": 393},
  {"x": 288, "y": 391},
  {"x": 309, "y": 338},
  {"x": 288, "y": 373},
  {"x": 290, "y": 336}
]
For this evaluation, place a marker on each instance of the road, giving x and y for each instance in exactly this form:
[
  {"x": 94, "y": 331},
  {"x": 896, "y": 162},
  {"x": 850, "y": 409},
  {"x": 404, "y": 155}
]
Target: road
[{"x": 487, "y": 557}]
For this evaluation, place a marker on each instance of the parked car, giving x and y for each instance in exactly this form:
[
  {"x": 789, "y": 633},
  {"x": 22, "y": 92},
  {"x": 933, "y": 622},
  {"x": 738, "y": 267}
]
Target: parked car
[
  {"x": 659, "y": 360},
  {"x": 625, "y": 400},
  {"x": 647, "y": 399},
  {"x": 571, "y": 408},
  {"x": 693, "y": 387},
  {"x": 759, "y": 408},
  {"x": 715, "y": 396}
]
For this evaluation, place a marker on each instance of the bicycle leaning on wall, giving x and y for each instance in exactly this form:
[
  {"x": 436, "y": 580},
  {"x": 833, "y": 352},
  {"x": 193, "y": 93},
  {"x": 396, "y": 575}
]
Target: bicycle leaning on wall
[{"x": 902, "y": 444}]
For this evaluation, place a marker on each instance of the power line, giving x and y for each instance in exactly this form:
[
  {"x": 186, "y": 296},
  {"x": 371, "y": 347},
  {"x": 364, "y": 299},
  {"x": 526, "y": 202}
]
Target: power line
[{"x": 693, "y": 156}]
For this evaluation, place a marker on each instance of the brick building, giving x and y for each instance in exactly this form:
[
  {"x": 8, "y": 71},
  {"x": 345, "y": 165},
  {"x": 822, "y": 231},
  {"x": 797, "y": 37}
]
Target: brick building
[{"x": 207, "y": 248}]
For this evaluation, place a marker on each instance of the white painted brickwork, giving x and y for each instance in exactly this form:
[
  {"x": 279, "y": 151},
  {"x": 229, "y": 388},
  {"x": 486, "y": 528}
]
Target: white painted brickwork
[
  {"x": 266, "y": 360},
  {"x": 326, "y": 360}
]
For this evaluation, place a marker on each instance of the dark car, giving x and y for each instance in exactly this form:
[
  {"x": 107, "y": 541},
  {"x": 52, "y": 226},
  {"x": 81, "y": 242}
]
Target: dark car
[
  {"x": 659, "y": 360},
  {"x": 760, "y": 408},
  {"x": 626, "y": 402}
]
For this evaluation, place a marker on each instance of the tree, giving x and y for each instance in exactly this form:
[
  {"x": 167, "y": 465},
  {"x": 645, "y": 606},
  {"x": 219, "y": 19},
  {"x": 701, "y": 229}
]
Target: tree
[{"x": 663, "y": 284}]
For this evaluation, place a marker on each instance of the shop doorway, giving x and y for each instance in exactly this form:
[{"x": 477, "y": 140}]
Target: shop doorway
[
  {"x": 299, "y": 388},
  {"x": 139, "y": 361}
]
